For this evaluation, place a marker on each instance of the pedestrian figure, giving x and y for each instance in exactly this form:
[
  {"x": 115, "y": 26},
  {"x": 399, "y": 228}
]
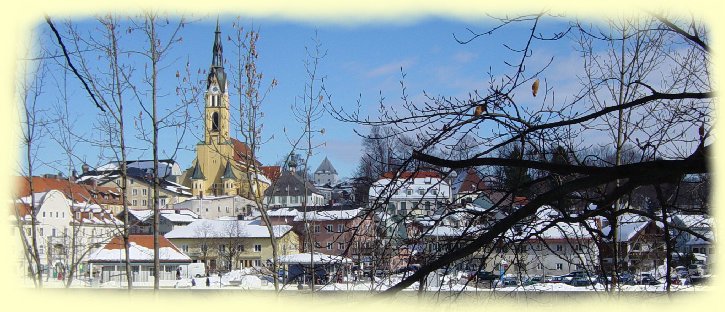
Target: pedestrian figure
[
  {"x": 178, "y": 273},
  {"x": 193, "y": 282},
  {"x": 207, "y": 282}
]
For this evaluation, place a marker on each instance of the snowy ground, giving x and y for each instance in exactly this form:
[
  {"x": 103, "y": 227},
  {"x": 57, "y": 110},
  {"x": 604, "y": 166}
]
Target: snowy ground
[{"x": 243, "y": 280}]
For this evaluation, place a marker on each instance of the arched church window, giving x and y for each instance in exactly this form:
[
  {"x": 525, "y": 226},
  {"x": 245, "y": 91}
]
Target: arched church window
[{"x": 215, "y": 121}]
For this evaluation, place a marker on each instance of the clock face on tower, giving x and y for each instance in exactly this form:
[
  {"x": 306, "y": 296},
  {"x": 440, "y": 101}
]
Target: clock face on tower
[{"x": 215, "y": 89}]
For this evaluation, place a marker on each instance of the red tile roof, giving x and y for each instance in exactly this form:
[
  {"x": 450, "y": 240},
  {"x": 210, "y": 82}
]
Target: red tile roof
[
  {"x": 271, "y": 172},
  {"x": 79, "y": 192},
  {"x": 242, "y": 152},
  {"x": 146, "y": 241},
  {"x": 472, "y": 182}
]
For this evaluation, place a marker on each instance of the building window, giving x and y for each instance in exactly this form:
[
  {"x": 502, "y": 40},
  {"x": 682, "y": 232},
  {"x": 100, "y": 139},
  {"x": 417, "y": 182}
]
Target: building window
[
  {"x": 421, "y": 191},
  {"x": 540, "y": 266},
  {"x": 409, "y": 192},
  {"x": 43, "y": 214},
  {"x": 328, "y": 228},
  {"x": 40, "y": 230},
  {"x": 227, "y": 208},
  {"x": 214, "y": 119},
  {"x": 240, "y": 248},
  {"x": 317, "y": 228},
  {"x": 340, "y": 246},
  {"x": 340, "y": 228},
  {"x": 185, "y": 248},
  {"x": 559, "y": 266},
  {"x": 143, "y": 192},
  {"x": 134, "y": 203},
  {"x": 162, "y": 202},
  {"x": 204, "y": 247},
  {"x": 329, "y": 246},
  {"x": 434, "y": 191},
  {"x": 143, "y": 202},
  {"x": 636, "y": 246},
  {"x": 258, "y": 263},
  {"x": 257, "y": 248},
  {"x": 134, "y": 192},
  {"x": 559, "y": 247}
]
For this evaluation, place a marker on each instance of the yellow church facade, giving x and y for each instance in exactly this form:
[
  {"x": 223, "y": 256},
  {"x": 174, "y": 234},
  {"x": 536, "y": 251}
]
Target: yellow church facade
[{"x": 223, "y": 165}]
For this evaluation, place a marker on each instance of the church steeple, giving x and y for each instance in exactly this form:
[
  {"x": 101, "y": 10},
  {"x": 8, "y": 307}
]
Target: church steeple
[
  {"x": 217, "y": 60},
  {"x": 217, "y": 97},
  {"x": 216, "y": 71}
]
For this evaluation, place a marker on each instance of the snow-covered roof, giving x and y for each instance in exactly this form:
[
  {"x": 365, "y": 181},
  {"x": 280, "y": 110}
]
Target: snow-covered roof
[
  {"x": 205, "y": 228},
  {"x": 431, "y": 187},
  {"x": 327, "y": 215},
  {"x": 141, "y": 249},
  {"x": 448, "y": 231},
  {"x": 699, "y": 241},
  {"x": 548, "y": 230},
  {"x": 167, "y": 167},
  {"x": 628, "y": 225},
  {"x": 261, "y": 178},
  {"x": 317, "y": 258},
  {"x": 179, "y": 215},
  {"x": 141, "y": 215},
  {"x": 690, "y": 221},
  {"x": 315, "y": 215}
]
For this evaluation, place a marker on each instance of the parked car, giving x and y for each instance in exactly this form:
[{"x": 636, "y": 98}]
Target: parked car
[
  {"x": 580, "y": 281},
  {"x": 577, "y": 274},
  {"x": 648, "y": 280},
  {"x": 485, "y": 276},
  {"x": 556, "y": 279},
  {"x": 411, "y": 268},
  {"x": 626, "y": 278},
  {"x": 681, "y": 271},
  {"x": 697, "y": 269},
  {"x": 192, "y": 270},
  {"x": 534, "y": 280},
  {"x": 507, "y": 281}
]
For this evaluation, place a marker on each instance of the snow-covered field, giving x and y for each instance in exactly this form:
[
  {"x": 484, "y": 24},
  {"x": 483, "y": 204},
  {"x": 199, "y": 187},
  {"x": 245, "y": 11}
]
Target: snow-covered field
[{"x": 248, "y": 280}]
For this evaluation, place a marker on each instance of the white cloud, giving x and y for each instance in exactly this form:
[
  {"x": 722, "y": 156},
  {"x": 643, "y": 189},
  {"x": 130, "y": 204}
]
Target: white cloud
[
  {"x": 390, "y": 68},
  {"x": 464, "y": 57}
]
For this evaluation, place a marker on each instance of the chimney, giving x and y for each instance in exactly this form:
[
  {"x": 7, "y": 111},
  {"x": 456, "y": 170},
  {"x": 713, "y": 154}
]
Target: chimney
[{"x": 85, "y": 168}]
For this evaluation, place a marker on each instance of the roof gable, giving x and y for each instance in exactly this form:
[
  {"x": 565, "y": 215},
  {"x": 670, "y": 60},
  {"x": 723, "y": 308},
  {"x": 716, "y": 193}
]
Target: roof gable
[{"x": 326, "y": 167}]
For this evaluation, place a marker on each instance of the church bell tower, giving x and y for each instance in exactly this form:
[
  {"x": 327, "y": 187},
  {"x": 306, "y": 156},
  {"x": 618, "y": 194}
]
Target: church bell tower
[{"x": 216, "y": 112}]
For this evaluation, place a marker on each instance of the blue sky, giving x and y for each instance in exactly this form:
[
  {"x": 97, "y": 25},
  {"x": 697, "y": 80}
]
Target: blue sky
[{"x": 362, "y": 62}]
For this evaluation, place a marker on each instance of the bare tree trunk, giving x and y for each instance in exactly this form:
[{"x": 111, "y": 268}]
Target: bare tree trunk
[{"x": 155, "y": 144}]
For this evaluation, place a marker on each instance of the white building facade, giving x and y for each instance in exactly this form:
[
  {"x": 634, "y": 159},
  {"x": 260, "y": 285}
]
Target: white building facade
[{"x": 419, "y": 193}]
